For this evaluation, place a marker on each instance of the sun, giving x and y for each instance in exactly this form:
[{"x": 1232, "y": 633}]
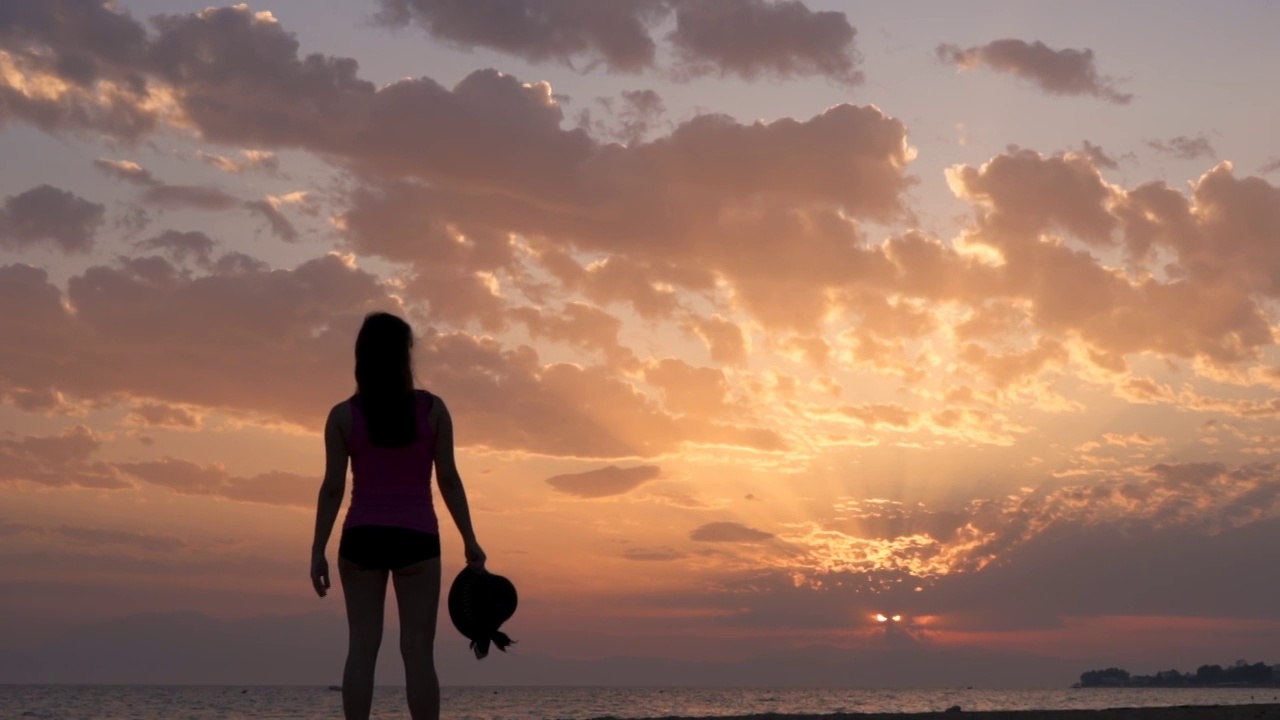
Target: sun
[{"x": 881, "y": 617}]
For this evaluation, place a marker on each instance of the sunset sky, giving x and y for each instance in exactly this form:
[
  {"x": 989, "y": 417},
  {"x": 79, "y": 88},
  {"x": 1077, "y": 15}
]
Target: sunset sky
[{"x": 756, "y": 319}]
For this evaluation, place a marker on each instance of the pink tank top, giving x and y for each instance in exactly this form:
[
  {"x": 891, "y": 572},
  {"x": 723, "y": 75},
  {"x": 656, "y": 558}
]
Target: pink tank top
[{"x": 392, "y": 486}]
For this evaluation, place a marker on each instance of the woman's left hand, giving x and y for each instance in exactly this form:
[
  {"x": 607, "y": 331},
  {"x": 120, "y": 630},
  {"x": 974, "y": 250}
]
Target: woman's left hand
[{"x": 320, "y": 573}]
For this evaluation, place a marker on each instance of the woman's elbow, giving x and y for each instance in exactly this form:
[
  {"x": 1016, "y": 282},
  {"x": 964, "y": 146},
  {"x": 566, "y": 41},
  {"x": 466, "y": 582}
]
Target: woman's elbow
[{"x": 330, "y": 489}]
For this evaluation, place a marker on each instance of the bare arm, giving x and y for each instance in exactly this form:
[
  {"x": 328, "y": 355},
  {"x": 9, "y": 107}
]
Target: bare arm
[
  {"x": 334, "y": 486},
  {"x": 455, "y": 496}
]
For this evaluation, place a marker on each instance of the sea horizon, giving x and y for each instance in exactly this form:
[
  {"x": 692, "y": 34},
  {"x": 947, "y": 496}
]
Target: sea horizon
[{"x": 271, "y": 702}]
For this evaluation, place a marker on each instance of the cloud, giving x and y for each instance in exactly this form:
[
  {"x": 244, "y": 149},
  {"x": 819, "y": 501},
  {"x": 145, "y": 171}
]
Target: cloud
[
  {"x": 1270, "y": 166},
  {"x": 46, "y": 214},
  {"x": 99, "y": 537},
  {"x": 279, "y": 224},
  {"x": 1022, "y": 196},
  {"x": 197, "y": 197},
  {"x": 294, "y": 327},
  {"x": 1034, "y": 560},
  {"x": 1099, "y": 156},
  {"x": 1184, "y": 148},
  {"x": 780, "y": 39},
  {"x": 631, "y": 120},
  {"x": 653, "y": 554},
  {"x": 728, "y": 532},
  {"x": 748, "y": 38},
  {"x": 74, "y": 67},
  {"x": 725, "y": 339},
  {"x": 58, "y": 461},
  {"x": 126, "y": 170},
  {"x": 249, "y": 86},
  {"x": 187, "y": 478},
  {"x": 250, "y": 160},
  {"x": 604, "y": 482},
  {"x": 579, "y": 325},
  {"x": 613, "y": 33},
  {"x": 181, "y": 246},
  {"x": 688, "y": 390},
  {"x": 150, "y": 414},
  {"x": 1056, "y": 72}
]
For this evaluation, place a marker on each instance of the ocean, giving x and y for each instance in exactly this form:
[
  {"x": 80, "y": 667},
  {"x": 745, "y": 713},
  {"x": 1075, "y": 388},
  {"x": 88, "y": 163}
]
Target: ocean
[{"x": 171, "y": 702}]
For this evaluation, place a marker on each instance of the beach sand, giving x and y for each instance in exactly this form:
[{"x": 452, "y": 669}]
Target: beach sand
[{"x": 1181, "y": 712}]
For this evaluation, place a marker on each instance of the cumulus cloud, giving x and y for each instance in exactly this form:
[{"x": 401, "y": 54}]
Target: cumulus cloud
[
  {"x": 728, "y": 532},
  {"x": 604, "y": 482},
  {"x": 1056, "y": 72},
  {"x": 74, "y": 67},
  {"x": 1183, "y": 147},
  {"x": 46, "y": 214}
]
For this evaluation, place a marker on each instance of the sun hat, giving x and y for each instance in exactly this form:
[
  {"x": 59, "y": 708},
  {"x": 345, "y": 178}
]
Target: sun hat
[{"x": 479, "y": 602}]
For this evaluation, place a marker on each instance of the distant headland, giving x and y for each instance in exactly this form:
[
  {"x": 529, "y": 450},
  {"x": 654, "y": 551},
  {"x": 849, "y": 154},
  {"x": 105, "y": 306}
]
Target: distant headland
[{"x": 1241, "y": 674}]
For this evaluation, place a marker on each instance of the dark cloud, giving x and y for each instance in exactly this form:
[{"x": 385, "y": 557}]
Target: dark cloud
[
  {"x": 653, "y": 554},
  {"x": 749, "y": 38},
  {"x": 1099, "y": 156},
  {"x": 197, "y": 197},
  {"x": 1056, "y": 72},
  {"x": 728, "y": 532},
  {"x": 780, "y": 39},
  {"x": 630, "y": 119},
  {"x": 613, "y": 33},
  {"x": 82, "y": 62},
  {"x": 181, "y": 246},
  {"x": 1184, "y": 148},
  {"x": 1270, "y": 166},
  {"x": 604, "y": 482},
  {"x": 280, "y": 225},
  {"x": 46, "y": 214}
]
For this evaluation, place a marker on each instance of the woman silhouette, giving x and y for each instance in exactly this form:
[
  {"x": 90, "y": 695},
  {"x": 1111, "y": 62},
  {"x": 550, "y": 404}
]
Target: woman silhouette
[{"x": 392, "y": 433}]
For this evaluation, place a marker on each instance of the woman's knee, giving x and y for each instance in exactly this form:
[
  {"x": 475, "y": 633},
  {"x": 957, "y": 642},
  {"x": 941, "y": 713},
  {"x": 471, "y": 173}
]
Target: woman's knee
[
  {"x": 364, "y": 642},
  {"x": 417, "y": 643}
]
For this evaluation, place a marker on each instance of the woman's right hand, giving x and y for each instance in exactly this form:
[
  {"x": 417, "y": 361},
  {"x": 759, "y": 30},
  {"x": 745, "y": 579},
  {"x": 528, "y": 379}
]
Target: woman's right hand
[{"x": 475, "y": 556}]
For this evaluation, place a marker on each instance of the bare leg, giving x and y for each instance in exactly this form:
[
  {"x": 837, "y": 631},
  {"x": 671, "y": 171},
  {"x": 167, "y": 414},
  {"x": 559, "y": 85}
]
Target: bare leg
[
  {"x": 366, "y": 596},
  {"x": 418, "y": 597}
]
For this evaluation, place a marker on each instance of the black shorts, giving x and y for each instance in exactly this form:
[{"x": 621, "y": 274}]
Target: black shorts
[{"x": 382, "y": 547}]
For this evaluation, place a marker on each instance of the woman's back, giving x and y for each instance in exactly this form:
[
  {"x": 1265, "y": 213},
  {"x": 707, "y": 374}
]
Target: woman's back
[{"x": 392, "y": 486}]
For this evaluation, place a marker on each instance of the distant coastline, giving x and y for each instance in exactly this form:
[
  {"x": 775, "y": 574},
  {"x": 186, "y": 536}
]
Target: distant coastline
[
  {"x": 1242, "y": 675},
  {"x": 1182, "y": 712}
]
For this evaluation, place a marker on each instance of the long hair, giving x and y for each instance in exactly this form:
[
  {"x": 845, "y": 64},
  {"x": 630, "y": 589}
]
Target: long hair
[{"x": 384, "y": 380}]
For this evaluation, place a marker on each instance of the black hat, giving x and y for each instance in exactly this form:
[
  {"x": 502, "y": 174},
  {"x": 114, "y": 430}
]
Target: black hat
[{"x": 479, "y": 602}]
